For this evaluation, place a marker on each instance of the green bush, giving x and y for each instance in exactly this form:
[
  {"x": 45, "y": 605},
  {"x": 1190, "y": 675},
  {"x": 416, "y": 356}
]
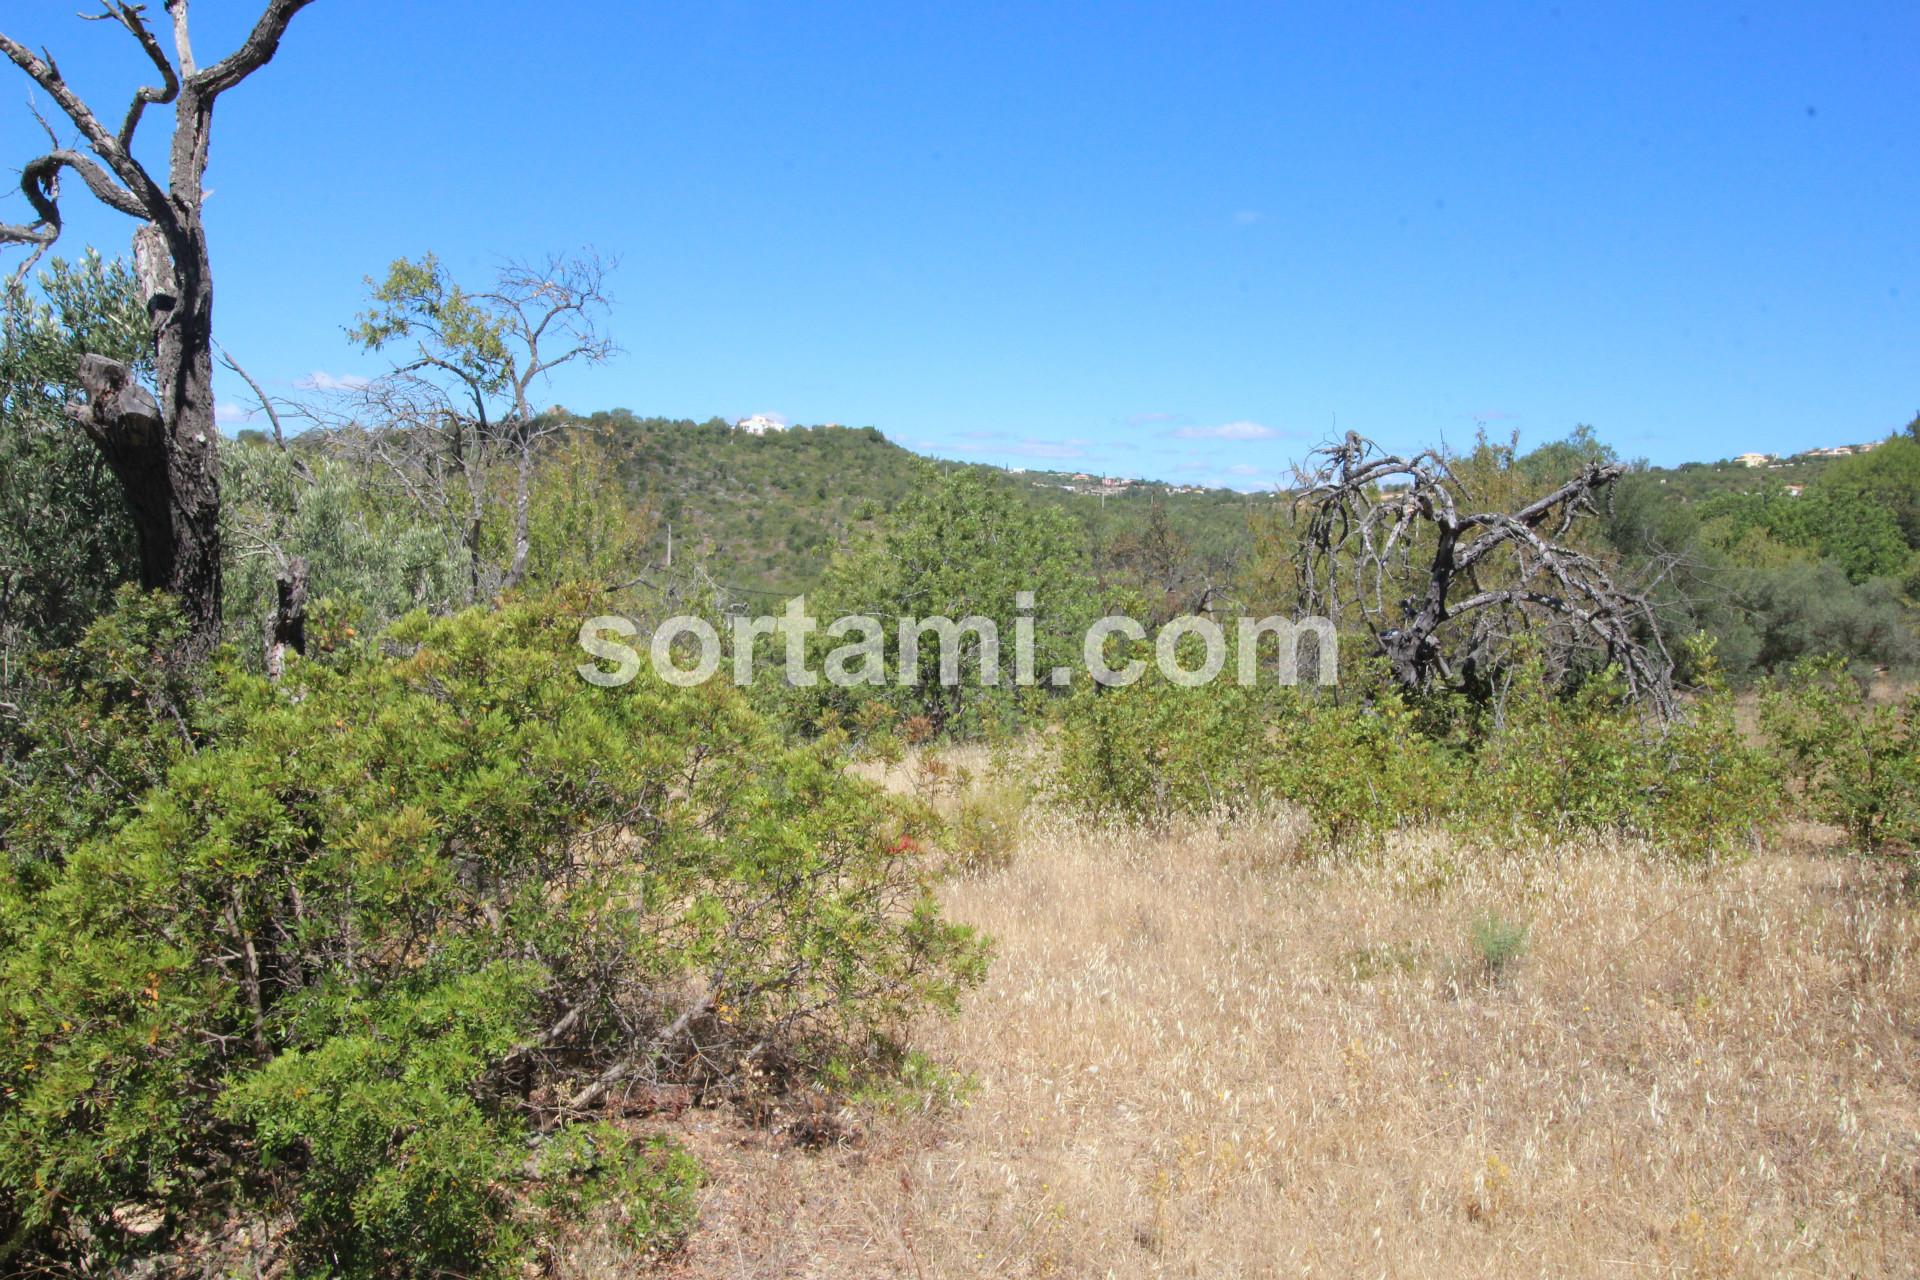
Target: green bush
[
  {"x": 1150, "y": 751},
  {"x": 1357, "y": 765},
  {"x": 367, "y": 929},
  {"x": 648, "y": 1187},
  {"x": 1369, "y": 760},
  {"x": 959, "y": 547},
  {"x": 1858, "y": 764},
  {"x": 66, "y": 540},
  {"x": 985, "y": 827},
  {"x": 1497, "y": 943},
  {"x": 371, "y": 1110},
  {"x": 1560, "y": 763},
  {"x": 1362, "y": 768},
  {"x": 1713, "y": 791}
]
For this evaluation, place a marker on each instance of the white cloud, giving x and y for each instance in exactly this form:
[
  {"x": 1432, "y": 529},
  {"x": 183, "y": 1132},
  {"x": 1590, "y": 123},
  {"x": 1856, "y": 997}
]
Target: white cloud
[
  {"x": 1050, "y": 449},
  {"x": 232, "y": 415},
  {"x": 1228, "y": 431},
  {"x": 1245, "y": 217},
  {"x": 321, "y": 380}
]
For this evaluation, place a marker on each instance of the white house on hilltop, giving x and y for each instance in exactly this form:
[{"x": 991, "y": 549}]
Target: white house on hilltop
[{"x": 759, "y": 424}]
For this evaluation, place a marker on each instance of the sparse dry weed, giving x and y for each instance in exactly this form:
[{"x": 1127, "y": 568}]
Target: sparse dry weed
[{"x": 1199, "y": 1054}]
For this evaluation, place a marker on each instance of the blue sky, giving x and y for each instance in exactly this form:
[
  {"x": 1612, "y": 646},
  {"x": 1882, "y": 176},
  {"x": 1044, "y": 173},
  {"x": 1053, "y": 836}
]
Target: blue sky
[{"x": 1182, "y": 240}]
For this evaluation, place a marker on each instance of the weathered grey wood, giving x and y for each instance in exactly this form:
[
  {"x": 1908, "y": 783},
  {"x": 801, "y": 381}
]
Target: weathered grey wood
[{"x": 1392, "y": 542}]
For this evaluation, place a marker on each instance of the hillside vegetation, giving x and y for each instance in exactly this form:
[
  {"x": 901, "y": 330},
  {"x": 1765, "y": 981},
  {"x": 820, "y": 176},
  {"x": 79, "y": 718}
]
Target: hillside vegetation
[
  {"x": 765, "y": 513},
  {"x": 436, "y": 844}
]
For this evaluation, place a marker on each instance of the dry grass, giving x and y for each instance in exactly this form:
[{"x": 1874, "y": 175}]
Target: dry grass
[{"x": 1199, "y": 1056}]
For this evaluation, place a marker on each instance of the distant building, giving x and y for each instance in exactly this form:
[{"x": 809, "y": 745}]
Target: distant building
[
  {"x": 759, "y": 424},
  {"x": 1754, "y": 459},
  {"x": 1794, "y": 490}
]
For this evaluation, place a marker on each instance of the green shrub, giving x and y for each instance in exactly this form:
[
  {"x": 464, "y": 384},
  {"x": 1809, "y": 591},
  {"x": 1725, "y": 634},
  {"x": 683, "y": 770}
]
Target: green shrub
[
  {"x": 1358, "y": 765},
  {"x": 909, "y": 1081},
  {"x": 1369, "y": 760},
  {"x": 1858, "y": 764},
  {"x": 66, "y": 540},
  {"x": 1361, "y": 768},
  {"x": 368, "y": 927},
  {"x": 1497, "y": 943},
  {"x": 1152, "y": 750},
  {"x": 400, "y": 1169},
  {"x": 647, "y": 1188},
  {"x": 1560, "y": 763},
  {"x": 1714, "y": 791},
  {"x": 960, "y": 546},
  {"x": 985, "y": 827}
]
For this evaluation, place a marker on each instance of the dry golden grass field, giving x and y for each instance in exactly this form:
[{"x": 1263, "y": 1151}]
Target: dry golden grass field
[{"x": 1198, "y": 1054}]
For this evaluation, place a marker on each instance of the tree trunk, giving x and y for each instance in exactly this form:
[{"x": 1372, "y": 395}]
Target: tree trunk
[
  {"x": 522, "y": 501},
  {"x": 165, "y": 453},
  {"x": 287, "y": 622},
  {"x": 180, "y": 544}
]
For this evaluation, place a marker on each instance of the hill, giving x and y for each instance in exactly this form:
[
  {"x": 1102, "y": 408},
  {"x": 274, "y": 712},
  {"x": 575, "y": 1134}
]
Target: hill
[
  {"x": 763, "y": 513},
  {"x": 1697, "y": 480}
]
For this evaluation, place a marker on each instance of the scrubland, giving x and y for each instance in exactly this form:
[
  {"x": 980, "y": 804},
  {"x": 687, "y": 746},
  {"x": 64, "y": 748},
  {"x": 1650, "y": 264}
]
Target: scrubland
[{"x": 1201, "y": 1052}]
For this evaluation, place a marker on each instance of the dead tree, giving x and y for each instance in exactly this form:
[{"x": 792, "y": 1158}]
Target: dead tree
[
  {"x": 287, "y": 617},
  {"x": 425, "y": 447},
  {"x": 286, "y": 623},
  {"x": 163, "y": 452},
  {"x": 454, "y": 421},
  {"x": 1395, "y": 545}
]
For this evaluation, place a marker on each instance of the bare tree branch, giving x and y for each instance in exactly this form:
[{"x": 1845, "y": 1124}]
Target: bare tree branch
[
  {"x": 182, "y": 41},
  {"x": 258, "y": 50},
  {"x": 43, "y": 174},
  {"x": 1384, "y": 544},
  {"x": 265, "y": 401},
  {"x": 132, "y": 17},
  {"x": 45, "y": 73}
]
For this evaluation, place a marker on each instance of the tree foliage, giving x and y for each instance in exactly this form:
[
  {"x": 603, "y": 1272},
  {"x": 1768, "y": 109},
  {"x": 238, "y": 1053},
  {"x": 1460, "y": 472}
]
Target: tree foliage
[
  {"x": 65, "y": 538},
  {"x": 960, "y": 548}
]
